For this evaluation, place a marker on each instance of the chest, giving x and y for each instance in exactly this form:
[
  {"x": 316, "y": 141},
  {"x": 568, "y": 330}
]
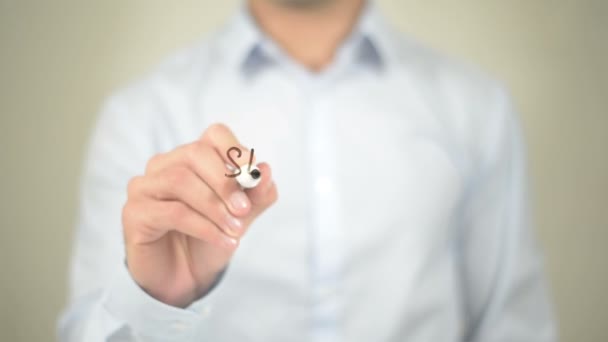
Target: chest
[
  {"x": 368, "y": 186},
  {"x": 383, "y": 155}
]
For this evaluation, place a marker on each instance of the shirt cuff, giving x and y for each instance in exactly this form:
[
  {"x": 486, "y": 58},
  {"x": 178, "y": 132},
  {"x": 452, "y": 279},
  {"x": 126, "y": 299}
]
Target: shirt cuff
[{"x": 148, "y": 317}]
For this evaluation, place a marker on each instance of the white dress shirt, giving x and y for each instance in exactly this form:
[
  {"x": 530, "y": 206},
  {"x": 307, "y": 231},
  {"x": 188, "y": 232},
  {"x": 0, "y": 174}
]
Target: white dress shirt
[{"x": 402, "y": 211}]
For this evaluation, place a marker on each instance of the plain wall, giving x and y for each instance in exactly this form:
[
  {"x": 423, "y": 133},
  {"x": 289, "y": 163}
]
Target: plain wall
[{"x": 59, "y": 59}]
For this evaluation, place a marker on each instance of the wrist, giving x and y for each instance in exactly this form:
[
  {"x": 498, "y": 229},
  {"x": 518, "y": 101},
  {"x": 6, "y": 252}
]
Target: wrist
[{"x": 179, "y": 294}]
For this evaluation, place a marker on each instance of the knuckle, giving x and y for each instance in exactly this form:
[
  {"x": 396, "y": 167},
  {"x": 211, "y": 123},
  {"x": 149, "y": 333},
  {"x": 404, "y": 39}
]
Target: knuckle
[
  {"x": 134, "y": 185},
  {"x": 193, "y": 153},
  {"x": 176, "y": 178},
  {"x": 153, "y": 162},
  {"x": 216, "y": 130}
]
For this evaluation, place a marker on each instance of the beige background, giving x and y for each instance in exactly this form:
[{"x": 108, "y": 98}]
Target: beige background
[{"x": 58, "y": 59}]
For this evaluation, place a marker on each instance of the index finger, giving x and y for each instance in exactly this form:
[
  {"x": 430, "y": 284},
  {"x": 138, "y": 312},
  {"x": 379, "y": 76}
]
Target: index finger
[{"x": 222, "y": 139}]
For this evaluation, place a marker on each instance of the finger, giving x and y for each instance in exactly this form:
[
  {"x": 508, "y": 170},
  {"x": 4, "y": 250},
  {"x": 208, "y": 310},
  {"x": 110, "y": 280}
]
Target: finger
[
  {"x": 222, "y": 139},
  {"x": 269, "y": 198},
  {"x": 205, "y": 162},
  {"x": 182, "y": 184},
  {"x": 164, "y": 216},
  {"x": 213, "y": 172}
]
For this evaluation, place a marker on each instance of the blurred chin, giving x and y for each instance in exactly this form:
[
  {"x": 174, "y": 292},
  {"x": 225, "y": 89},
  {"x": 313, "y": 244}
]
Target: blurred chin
[{"x": 303, "y": 3}]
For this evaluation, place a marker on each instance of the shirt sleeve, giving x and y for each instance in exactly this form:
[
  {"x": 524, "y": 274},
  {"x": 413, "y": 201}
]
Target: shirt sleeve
[
  {"x": 105, "y": 304},
  {"x": 506, "y": 296}
]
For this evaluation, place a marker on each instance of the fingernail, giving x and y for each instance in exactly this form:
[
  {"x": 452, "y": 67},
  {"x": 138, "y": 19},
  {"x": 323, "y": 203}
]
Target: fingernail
[
  {"x": 235, "y": 225},
  {"x": 230, "y": 242},
  {"x": 239, "y": 201}
]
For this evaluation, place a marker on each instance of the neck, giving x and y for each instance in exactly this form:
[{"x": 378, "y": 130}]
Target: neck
[{"x": 309, "y": 34}]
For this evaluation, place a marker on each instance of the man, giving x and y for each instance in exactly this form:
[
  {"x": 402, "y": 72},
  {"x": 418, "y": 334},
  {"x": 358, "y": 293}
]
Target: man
[{"x": 402, "y": 210}]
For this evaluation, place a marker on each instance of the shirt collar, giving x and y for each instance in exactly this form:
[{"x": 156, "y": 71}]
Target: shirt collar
[{"x": 249, "y": 49}]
